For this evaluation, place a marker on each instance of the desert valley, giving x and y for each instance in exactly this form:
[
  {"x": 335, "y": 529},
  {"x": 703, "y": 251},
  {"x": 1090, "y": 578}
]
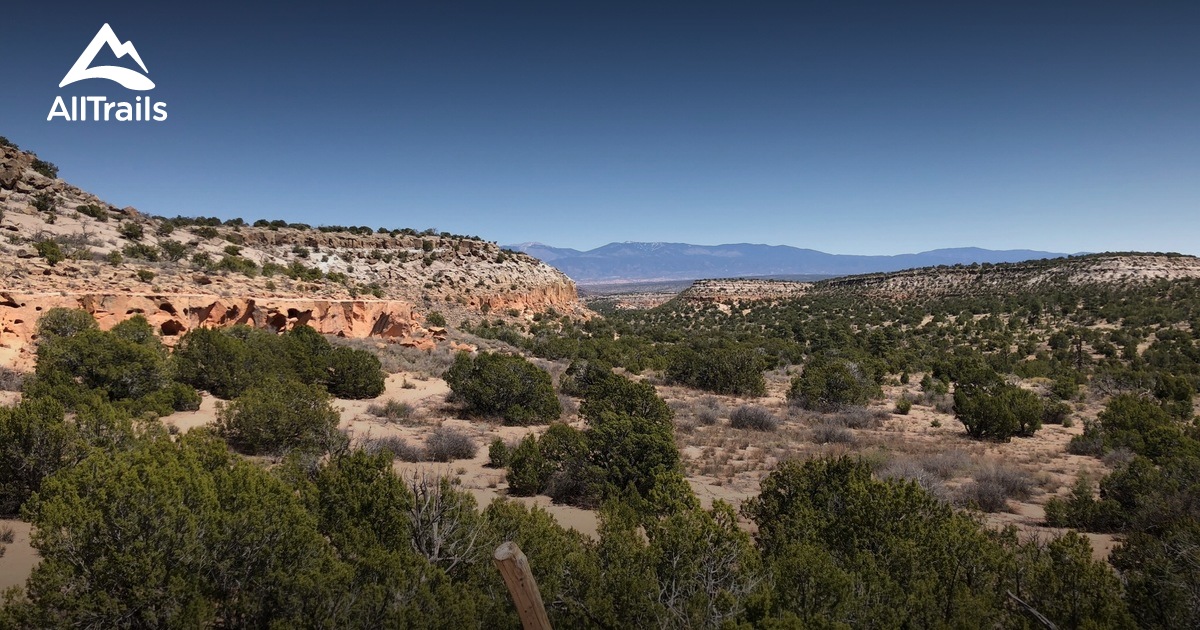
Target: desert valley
[{"x": 369, "y": 410}]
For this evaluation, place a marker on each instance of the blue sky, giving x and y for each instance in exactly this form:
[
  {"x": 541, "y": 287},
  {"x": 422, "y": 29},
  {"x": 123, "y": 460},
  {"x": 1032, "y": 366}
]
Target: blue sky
[{"x": 849, "y": 127}]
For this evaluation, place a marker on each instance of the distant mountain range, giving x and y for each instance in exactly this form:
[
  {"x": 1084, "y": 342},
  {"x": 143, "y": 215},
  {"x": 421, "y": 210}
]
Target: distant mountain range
[{"x": 643, "y": 262}]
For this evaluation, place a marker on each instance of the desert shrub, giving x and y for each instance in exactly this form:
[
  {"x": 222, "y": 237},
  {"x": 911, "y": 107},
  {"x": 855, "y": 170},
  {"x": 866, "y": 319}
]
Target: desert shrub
[
  {"x": 221, "y": 361},
  {"x": 173, "y": 251},
  {"x": 707, "y": 417},
  {"x": 391, "y": 409},
  {"x": 355, "y": 374},
  {"x": 946, "y": 464},
  {"x": 1055, "y": 412},
  {"x": 206, "y": 232},
  {"x": 722, "y": 369},
  {"x": 127, "y": 362},
  {"x": 983, "y": 496},
  {"x": 1090, "y": 442},
  {"x": 829, "y": 383},
  {"x": 904, "y": 469},
  {"x": 145, "y": 275},
  {"x": 857, "y": 418},
  {"x": 997, "y": 411},
  {"x": 831, "y": 433},
  {"x": 527, "y": 469},
  {"x": 903, "y": 406},
  {"x": 308, "y": 353},
  {"x": 237, "y": 264},
  {"x": 47, "y": 169},
  {"x": 396, "y": 447},
  {"x": 99, "y": 213},
  {"x": 45, "y": 202},
  {"x": 502, "y": 385},
  {"x": 498, "y": 454},
  {"x": 754, "y": 418},
  {"x": 446, "y": 445},
  {"x": 435, "y": 319},
  {"x": 63, "y": 322},
  {"x": 993, "y": 486},
  {"x": 1118, "y": 457},
  {"x": 828, "y": 527},
  {"x": 1064, "y": 387},
  {"x": 51, "y": 251},
  {"x": 35, "y": 442},
  {"x": 10, "y": 379},
  {"x": 141, "y": 251},
  {"x": 223, "y": 537},
  {"x": 131, "y": 230},
  {"x": 1138, "y": 424},
  {"x": 279, "y": 416}
]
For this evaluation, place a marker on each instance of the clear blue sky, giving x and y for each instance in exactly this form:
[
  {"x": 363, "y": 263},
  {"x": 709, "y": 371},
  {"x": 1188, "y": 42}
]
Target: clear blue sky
[{"x": 849, "y": 127}]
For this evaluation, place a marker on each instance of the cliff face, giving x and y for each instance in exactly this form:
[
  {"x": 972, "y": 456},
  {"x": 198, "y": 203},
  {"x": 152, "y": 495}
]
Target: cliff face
[
  {"x": 116, "y": 263},
  {"x": 173, "y": 315},
  {"x": 743, "y": 289}
]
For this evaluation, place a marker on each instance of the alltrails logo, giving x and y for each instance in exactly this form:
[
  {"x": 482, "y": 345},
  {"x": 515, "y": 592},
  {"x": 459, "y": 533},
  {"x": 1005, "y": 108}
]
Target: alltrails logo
[{"x": 99, "y": 107}]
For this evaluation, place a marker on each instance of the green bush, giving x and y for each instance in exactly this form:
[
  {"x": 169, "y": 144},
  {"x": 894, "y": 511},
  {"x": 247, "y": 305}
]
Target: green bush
[
  {"x": 99, "y": 213},
  {"x": 1055, "y": 412},
  {"x": 498, "y": 454},
  {"x": 50, "y": 250},
  {"x": 35, "y": 442},
  {"x": 45, "y": 202},
  {"x": 141, "y": 251},
  {"x": 829, "y": 383},
  {"x": 280, "y": 416},
  {"x": 528, "y": 471},
  {"x": 173, "y": 251},
  {"x": 224, "y": 362},
  {"x": 723, "y": 369},
  {"x": 145, "y": 275},
  {"x": 45, "y": 168},
  {"x": 903, "y": 406},
  {"x": 63, "y": 322},
  {"x": 503, "y": 385},
  {"x": 436, "y": 319},
  {"x": 355, "y": 374},
  {"x": 125, "y": 363},
  {"x": 997, "y": 411},
  {"x": 132, "y": 230}
]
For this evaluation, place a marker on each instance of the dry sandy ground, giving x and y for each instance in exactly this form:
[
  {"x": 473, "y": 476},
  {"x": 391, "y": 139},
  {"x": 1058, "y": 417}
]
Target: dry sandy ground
[
  {"x": 19, "y": 558},
  {"x": 722, "y": 463}
]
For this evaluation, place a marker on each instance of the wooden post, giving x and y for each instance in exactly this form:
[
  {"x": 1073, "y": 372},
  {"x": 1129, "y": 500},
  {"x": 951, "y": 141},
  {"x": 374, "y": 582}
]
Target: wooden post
[{"x": 514, "y": 567}]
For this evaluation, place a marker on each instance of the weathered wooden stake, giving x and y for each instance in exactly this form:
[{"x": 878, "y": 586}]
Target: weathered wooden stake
[{"x": 514, "y": 567}]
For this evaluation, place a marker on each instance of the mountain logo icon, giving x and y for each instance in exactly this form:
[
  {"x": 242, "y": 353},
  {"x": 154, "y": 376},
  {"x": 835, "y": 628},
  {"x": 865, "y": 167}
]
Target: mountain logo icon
[{"x": 130, "y": 79}]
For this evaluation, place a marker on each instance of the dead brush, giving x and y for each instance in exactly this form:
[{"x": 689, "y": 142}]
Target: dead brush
[
  {"x": 392, "y": 409},
  {"x": 993, "y": 485},
  {"x": 398, "y": 447},
  {"x": 753, "y": 418},
  {"x": 905, "y": 469},
  {"x": 858, "y": 418},
  {"x": 831, "y": 433}
]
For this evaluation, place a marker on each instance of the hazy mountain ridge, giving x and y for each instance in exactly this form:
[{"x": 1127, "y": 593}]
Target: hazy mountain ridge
[{"x": 638, "y": 261}]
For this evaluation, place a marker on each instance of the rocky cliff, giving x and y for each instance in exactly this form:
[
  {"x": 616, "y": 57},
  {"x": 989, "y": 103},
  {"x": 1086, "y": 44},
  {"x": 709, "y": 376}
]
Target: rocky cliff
[{"x": 62, "y": 246}]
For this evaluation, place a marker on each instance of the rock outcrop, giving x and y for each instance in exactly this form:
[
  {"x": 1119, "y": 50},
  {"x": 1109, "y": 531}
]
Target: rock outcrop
[
  {"x": 734, "y": 290},
  {"x": 173, "y": 315},
  {"x": 960, "y": 280}
]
